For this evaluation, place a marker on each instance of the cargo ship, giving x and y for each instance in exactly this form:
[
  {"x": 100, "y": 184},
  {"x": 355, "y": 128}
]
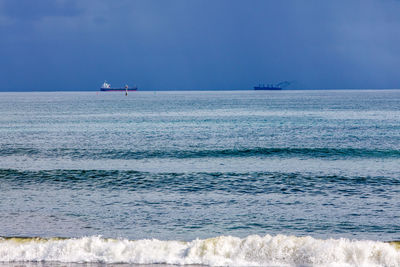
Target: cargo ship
[
  {"x": 278, "y": 86},
  {"x": 268, "y": 87},
  {"x": 107, "y": 87}
]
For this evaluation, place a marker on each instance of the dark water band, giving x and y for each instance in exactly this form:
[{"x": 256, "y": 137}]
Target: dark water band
[{"x": 78, "y": 153}]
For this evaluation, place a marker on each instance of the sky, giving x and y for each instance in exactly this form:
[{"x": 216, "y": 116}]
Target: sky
[{"x": 51, "y": 45}]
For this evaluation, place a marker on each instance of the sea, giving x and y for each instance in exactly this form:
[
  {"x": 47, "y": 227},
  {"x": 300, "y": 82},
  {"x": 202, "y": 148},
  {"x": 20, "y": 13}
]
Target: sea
[{"x": 200, "y": 178}]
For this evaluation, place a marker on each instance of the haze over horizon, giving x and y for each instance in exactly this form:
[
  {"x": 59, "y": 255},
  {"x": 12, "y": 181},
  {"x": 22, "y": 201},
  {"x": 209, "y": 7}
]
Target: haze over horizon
[{"x": 52, "y": 45}]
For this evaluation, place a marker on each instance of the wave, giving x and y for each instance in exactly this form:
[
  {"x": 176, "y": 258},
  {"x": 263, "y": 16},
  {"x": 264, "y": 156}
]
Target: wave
[
  {"x": 232, "y": 182},
  {"x": 75, "y": 153},
  {"x": 219, "y": 251}
]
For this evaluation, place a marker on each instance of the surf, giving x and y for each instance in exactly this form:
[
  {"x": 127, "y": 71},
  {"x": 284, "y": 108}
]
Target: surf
[{"x": 254, "y": 250}]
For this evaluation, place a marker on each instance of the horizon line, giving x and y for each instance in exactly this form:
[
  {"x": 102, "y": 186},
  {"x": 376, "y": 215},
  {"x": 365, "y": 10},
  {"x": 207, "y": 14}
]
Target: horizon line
[{"x": 204, "y": 90}]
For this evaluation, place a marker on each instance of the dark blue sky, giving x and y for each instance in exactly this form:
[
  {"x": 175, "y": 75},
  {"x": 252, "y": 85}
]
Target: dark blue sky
[{"x": 199, "y": 44}]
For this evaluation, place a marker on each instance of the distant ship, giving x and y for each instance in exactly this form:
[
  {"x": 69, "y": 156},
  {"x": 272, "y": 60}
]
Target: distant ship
[
  {"x": 107, "y": 87},
  {"x": 278, "y": 86},
  {"x": 268, "y": 87}
]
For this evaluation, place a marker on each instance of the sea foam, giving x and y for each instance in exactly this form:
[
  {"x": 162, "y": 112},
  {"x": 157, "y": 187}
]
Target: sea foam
[{"x": 253, "y": 250}]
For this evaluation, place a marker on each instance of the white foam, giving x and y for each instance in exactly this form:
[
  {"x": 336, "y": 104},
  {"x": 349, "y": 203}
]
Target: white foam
[{"x": 220, "y": 251}]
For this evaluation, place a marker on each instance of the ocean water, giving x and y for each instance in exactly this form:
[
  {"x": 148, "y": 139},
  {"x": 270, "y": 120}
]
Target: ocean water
[{"x": 232, "y": 178}]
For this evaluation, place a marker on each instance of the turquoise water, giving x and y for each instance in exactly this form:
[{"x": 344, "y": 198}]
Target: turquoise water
[{"x": 240, "y": 170}]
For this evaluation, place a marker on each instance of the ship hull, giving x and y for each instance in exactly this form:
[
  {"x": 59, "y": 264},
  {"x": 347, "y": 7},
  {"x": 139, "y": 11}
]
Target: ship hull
[
  {"x": 267, "y": 88},
  {"x": 117, "y": 89}
]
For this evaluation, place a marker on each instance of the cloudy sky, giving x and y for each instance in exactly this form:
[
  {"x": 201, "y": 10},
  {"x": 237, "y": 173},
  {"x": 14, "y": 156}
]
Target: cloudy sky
[{"x": 199, "y": 44}]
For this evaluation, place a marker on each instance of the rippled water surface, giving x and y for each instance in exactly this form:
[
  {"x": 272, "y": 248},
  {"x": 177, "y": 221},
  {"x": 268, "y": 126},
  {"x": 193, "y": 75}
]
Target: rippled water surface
[{"x": 187, "y": 165}]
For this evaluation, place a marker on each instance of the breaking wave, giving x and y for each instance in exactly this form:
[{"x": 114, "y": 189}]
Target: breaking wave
[{"x": 219, "y": 251}]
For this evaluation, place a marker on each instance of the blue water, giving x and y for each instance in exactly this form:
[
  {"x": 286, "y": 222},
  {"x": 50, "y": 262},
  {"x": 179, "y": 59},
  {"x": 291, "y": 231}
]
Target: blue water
[{"x": 188, "y": 165}]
